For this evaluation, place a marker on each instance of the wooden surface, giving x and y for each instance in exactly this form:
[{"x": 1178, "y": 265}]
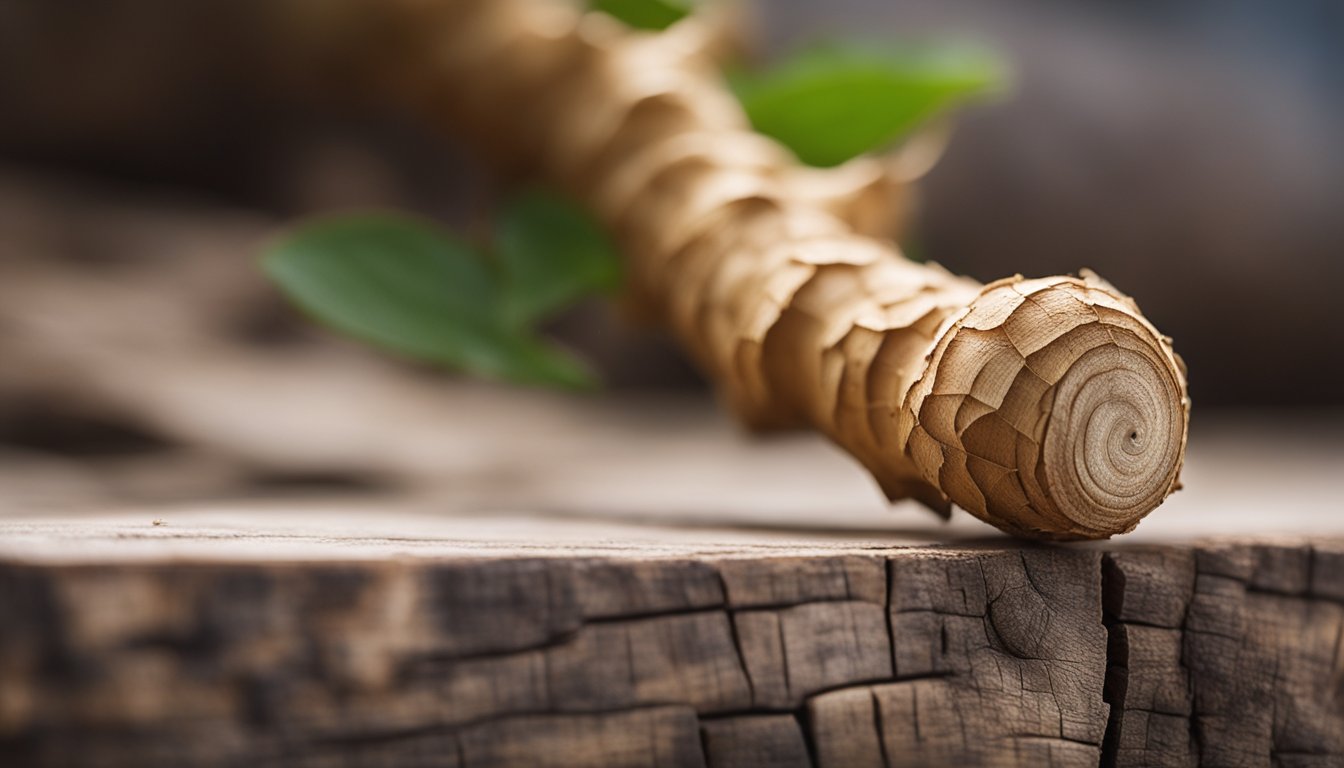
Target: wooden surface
[
  {"x": 606, "y": 652},
  {"x": 668, "y": 593},
  {"x": 635, "y": 583}
]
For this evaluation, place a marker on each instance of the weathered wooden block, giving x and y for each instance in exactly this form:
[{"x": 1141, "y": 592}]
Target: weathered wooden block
[{"x": 1176, "y": 655}]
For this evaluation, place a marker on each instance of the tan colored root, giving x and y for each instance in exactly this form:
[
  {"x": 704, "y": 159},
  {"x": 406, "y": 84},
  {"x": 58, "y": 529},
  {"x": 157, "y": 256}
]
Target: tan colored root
[{"x": 1049, "y": 408}]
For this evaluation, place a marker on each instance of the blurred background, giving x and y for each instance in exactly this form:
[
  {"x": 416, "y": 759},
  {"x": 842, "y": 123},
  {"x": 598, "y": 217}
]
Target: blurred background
[{"x": 1188, "y": 150}]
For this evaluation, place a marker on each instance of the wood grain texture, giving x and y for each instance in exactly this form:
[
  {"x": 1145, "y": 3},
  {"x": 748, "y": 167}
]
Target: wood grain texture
[{"x": 1214, "y": 653}]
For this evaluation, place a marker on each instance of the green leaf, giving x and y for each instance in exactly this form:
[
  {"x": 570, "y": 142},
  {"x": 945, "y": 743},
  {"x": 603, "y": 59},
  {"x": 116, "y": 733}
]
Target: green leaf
[
  {"x": 404, "y": 284},
  {"x": 535, "y": 361},
  {"x": 645, "y": 14},
  {"x": 551, "y": 254},
  {"x": 834, "y": 103}
]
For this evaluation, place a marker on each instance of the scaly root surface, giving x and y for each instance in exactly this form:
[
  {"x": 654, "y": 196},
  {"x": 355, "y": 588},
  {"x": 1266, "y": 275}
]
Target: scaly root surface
[{"x": 1049, "y": 408}]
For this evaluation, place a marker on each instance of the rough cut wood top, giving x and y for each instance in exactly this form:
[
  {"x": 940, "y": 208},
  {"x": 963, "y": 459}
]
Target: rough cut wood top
[
  {"x": 664, "y": 597},
  {"x": 313, "y": 646}
]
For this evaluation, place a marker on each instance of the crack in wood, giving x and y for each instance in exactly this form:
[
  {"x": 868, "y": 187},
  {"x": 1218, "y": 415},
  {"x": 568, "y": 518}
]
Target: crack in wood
[
  {"x": 737, "y": 641},
  {"x": 881, "y": 732},
  {"x": 1117, "y": 657}
]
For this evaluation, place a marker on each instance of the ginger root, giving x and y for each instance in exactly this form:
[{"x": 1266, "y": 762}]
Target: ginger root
[{"x": 1049, "y": 408}]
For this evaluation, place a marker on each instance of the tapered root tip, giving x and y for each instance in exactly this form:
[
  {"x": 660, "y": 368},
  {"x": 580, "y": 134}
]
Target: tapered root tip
[{"x": 1052, "y": 409}]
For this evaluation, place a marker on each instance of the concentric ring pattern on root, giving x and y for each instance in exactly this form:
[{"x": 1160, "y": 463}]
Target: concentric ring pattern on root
[{"x": 1052, "y": 408}]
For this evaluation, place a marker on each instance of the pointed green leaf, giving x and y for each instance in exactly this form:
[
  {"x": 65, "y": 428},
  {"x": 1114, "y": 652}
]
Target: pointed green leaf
[
  {"x": 539, "y": 362},
  {"x": 645, "y": 14},
  {"x": 551, "y": 253},
  {"x": 834, "y": 103},
  {"x": 404, "y": 284}
]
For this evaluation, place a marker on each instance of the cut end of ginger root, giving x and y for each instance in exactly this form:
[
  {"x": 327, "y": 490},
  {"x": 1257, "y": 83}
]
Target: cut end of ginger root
[{"x": 1051, "y": 409}]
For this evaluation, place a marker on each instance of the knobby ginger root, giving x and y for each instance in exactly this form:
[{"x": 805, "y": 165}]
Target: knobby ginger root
[{"x": 1049, "y": 408}]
